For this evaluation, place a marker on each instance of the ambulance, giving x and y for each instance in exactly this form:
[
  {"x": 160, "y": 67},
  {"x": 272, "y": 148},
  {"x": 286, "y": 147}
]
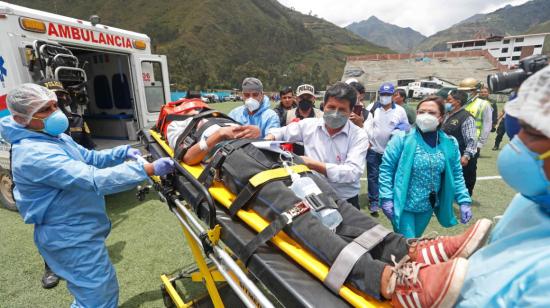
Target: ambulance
[{"x": 114, "y": 80}]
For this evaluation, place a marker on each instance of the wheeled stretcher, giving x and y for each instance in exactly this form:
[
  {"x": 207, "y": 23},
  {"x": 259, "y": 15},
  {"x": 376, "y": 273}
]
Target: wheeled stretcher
[{"x": 289, "y": 274}]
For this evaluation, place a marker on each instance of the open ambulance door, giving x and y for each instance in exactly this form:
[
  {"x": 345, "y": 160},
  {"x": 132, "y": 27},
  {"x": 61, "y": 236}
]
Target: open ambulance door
[{"x": 153, "y": 87}]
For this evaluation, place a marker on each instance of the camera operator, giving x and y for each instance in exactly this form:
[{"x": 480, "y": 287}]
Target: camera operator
[
  {"x": 512, "y": 270},
  {"x": 512, "y": 80}
]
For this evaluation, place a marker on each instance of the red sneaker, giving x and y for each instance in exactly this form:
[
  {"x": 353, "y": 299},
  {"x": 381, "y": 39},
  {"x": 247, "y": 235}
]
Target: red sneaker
[
  {"x": 444, "y": 248},
  {"x": 415, "y": 285}
]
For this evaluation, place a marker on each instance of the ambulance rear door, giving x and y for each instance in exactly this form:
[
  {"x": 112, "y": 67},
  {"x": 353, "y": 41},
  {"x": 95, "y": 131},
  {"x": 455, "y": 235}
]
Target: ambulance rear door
[{"x": 153, "y": 87}]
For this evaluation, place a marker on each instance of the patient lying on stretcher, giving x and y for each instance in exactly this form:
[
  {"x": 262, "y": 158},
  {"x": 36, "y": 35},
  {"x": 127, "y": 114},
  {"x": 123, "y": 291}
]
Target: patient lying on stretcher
[
  {"x": 361, "y": 252},
  {"x": 212, "y": 136}
]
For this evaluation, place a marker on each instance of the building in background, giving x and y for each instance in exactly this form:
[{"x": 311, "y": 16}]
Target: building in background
[
  {"x": 508, "y": 50},
  {"x": 429, "y": 70}
]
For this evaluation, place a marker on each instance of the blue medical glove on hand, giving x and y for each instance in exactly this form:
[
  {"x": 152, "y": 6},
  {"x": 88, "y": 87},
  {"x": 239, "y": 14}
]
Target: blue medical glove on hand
[
  {"x": 163, "y": 166},
  {"x": 133, "y": 153},
  {"x": 465, "y": 213},
  {"x": 403, "y": 127},
  {"x": 387, "y": 208}
]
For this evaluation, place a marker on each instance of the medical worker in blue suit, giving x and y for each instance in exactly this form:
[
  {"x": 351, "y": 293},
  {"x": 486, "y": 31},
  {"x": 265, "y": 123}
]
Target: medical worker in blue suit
[
  {"x": 256, "y": 109},
  {"x": 60, "y": 188},
  {"x": 513, "y": 270}
]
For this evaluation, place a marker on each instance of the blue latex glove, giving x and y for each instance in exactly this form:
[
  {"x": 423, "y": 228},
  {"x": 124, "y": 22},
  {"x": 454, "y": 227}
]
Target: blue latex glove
[
  {"x": 403, "y": 127},
  {"x": 163, "y": 166},
  {"x": 465, "y": 213},
  {"x": 133, "y": 153},
  {"x": 387, "y": 208}
]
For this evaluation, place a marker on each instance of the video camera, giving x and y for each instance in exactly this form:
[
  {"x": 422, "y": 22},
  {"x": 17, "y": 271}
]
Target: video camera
[{"x": 527, "y": 67}]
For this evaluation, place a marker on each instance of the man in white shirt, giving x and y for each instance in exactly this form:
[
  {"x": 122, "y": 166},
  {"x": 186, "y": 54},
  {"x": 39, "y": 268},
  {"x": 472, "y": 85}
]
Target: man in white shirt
[
  {"x": 333, "y": 145},
  {"x": 384, "y": 119}
]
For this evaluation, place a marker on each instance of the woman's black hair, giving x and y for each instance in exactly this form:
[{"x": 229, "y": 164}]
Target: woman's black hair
[
  {"x": 436, "y": 99},
  {"x": 460, "y": 96},
  {"x": 342, "y": 91},
  {"x": 359, "y": 87},
  {"x": 401, "y": 93},
  {"x": 285, "y": 91}
]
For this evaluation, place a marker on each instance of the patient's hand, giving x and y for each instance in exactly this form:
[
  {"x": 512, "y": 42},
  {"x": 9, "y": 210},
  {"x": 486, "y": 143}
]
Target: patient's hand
[
  {"x": 247, "y": 132},
  {"x": 228, "y": 132}
]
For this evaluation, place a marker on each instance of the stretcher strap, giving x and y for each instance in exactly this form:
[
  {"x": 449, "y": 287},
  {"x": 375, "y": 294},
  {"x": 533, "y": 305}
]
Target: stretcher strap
[
  {"x": 211, "y": 122},
  {"x": 270, "y": 231},
  {"x": 347, "y": 258},
  {"x": 188, "y": 138},
  {"x": 209, "y": 172},
  {"x": 176, "y": 117},
  {"x": 256, "y": 183}
]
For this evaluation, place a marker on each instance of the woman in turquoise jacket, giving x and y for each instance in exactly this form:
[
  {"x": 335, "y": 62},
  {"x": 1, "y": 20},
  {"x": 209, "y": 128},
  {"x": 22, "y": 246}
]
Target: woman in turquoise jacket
[{"x": 421, "y": 174}]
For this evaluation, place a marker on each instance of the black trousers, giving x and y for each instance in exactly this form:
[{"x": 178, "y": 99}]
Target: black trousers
[
  {"x": 274, "y": 198},
  {"x": 326, "y": 245},
  {"x": 470, "y": 173},
  {"x": 501, "y": 130}
]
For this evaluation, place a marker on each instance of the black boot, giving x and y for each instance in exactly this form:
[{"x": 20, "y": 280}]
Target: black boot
[{"x": 49, "y": 279}]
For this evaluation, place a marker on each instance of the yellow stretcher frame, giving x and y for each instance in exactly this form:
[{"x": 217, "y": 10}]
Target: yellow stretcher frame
[{"x": 284, "y": 242}]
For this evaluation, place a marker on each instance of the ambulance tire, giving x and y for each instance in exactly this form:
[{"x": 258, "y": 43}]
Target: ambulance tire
[{"x": 6, "y": 191}]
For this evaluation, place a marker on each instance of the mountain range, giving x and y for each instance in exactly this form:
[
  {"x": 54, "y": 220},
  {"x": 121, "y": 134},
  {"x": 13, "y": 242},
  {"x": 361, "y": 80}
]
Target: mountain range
[
  {"x": 530, "y": 17},
  {"x": 509, "y": 20},
  {"x": 215, "y": 44},
  {"x": 388, "y": 35}
]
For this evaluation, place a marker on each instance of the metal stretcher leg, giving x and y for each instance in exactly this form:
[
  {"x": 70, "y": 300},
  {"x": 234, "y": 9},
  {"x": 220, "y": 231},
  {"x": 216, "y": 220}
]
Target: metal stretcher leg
[{"x": 204, "y": 270}]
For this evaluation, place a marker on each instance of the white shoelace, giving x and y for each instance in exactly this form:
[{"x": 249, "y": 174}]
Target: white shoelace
[{"x": 404, "y": 273}]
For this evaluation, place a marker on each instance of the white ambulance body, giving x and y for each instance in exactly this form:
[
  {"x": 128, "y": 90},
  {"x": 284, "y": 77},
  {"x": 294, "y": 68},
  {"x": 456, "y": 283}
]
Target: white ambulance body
[{"x": 126, "y": 85}]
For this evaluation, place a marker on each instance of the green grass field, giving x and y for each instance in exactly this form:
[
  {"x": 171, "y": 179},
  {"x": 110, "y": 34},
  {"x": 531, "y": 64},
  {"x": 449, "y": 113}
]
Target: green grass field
[{"x": 146, "y": 241}]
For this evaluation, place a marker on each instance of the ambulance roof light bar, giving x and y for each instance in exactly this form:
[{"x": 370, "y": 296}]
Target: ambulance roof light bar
[{"x": 139, "y": 44}]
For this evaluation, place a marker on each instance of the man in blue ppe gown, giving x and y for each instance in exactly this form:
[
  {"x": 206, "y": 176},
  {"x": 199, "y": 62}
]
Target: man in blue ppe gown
[
  {"x": 513, "y": 270},
  {"x": 60, "y": 188}
]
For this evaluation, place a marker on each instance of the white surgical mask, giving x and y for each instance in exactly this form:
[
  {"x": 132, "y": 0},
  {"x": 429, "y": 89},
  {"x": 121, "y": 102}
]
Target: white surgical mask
[
  {"x": 426, "y": 122},
  {"x": 385, "y": 100},
  {"x": 252, "y": 104}
]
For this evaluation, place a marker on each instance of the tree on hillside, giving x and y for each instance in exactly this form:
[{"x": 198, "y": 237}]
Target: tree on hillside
[
  {"x": 189, "y": 70},
  {"x": 315, "y": 75}
]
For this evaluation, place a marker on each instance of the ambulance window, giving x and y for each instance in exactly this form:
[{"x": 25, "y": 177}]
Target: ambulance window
[
  {"x": 102, "y": 92},
  {"x": 154, "y": 85},
  {"x": 121, "y": 92}
]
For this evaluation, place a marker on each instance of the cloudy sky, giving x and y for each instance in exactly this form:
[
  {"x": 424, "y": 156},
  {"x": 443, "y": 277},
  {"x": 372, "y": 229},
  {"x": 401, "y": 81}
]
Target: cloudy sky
[{"x": 425, "y": 16}]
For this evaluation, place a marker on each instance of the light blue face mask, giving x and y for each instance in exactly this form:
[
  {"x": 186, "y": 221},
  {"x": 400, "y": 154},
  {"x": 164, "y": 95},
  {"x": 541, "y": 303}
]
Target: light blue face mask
[
  {"x": 448, "y": 107},
  {"x": 522, "y": 169},
  {"x": 335, "y": 119},
  {"x": 55, "y": 124}
]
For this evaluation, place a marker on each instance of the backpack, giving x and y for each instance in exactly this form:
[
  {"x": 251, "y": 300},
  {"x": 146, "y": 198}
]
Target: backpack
[{"x": 178, "y": 110}]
